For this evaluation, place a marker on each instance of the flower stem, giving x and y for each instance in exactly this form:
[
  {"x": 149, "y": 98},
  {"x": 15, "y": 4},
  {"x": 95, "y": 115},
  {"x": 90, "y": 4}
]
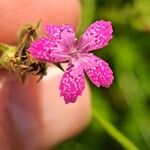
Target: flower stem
[{"x": 115, "y": 133}]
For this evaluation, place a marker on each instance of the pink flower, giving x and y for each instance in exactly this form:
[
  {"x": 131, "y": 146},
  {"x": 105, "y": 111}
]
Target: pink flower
[{"x": 61, "y": 45}]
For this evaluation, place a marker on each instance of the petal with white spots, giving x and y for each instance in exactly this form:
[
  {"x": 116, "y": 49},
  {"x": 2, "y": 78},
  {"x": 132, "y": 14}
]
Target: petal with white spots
[
  {"x": 96, "y": 36},
  {"x": 63, "y": 34},
  {"x": 48, "y": 50},
  {"x": 72, "y": 83},
  {"x": 98, "y": 70}
]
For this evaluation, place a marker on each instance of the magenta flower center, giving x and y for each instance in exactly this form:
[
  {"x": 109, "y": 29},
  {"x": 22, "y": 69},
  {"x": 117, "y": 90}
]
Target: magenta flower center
[{"x": 74, "y": 53}]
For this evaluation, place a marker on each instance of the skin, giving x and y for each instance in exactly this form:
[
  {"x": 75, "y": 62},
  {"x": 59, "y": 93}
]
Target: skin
[{"x": 33, "y": 116}]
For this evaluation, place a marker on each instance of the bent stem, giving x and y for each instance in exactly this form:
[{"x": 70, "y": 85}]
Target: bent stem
[{"x": 115, "y": 133}]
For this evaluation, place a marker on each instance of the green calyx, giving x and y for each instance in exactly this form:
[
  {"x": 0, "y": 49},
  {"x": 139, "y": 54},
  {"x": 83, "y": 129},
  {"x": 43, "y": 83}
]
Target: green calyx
[{"x": 7, "y": 52}]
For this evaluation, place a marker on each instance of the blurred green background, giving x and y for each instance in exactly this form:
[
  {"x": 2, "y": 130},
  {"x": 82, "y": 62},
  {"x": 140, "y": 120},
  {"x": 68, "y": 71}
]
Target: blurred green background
[{"x": 126, "y": 105}]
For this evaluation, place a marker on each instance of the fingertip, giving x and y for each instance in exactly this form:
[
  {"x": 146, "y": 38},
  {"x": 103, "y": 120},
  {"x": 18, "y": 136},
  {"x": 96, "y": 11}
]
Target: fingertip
[{"x": 14, "y": 14}]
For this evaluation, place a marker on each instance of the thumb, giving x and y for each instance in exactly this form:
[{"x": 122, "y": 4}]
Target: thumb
[{"x": 33, "y": 115}]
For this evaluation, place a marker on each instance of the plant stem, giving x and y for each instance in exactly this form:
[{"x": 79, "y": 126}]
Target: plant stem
[{"x": 115, "y": 133}]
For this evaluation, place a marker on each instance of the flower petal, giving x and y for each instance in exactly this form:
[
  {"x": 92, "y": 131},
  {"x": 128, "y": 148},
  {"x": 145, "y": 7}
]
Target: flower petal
[
  {"x": 98, "y": 70},
  {"x": 96, "y": 36},
  {"x": 72, "y": 83},
  {"x": 64, "y": 34},
  {"x": 48, "y": 51}
]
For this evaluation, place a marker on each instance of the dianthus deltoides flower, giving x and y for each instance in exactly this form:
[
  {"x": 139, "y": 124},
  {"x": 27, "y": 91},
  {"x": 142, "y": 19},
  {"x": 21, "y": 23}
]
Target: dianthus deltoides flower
[{"x": 61, "y": 45}]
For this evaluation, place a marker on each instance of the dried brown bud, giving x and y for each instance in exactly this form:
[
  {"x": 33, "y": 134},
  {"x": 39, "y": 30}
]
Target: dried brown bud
[{"x": 22, "y": 63}]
